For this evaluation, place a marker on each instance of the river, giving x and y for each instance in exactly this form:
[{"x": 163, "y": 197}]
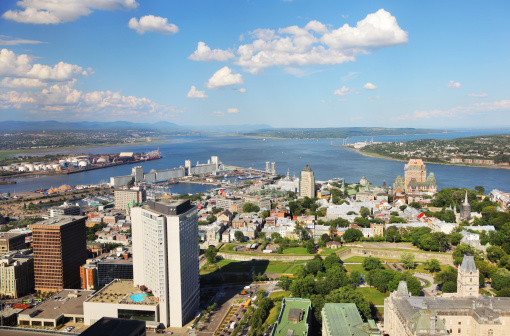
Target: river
[{"x": 290, "y": 154}]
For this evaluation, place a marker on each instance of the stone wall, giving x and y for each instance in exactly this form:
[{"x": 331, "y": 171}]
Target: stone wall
[
  {"x": 388, "y": 254},
  {"x": 269, "y": 256},
  {"x": 351, "y": 252}
]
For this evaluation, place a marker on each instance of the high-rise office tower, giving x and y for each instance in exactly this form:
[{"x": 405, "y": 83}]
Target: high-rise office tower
[
  {"x": 307, "y": 183},
  {"x": 165, "y": 257},
  {"x": 60, "y": 248}
]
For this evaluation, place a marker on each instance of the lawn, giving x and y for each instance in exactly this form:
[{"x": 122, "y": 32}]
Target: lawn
[
  {"x": 358, "y": 259},
  {"x": 358, "y": 267},
  {"x": 354, "y": 259},
  {"x": 292, "y": 269},
  {"x": 279, "y": 294},
  {"x": 373, "y": 295},
  {"x": 278, "y": 267},
  {"x": 327, "y": 251},
  {"x": 273, "y": 314},
  {"x": 421, "y": 268},
  {"x": 295, "y": 250},
  {"x": 208, "y": 268}
]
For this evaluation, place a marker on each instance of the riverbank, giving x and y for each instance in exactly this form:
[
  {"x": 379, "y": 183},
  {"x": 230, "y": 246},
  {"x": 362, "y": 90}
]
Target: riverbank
[
  {"x": 378, "y": 156},
  {"x": 41, "y": 151}
]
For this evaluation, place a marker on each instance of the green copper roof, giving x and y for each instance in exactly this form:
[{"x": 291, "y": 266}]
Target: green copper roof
[
  {"x": 307, "y": 168},
  {"x": 344, "y": 319},
  {"x": 283, "y": 325}
]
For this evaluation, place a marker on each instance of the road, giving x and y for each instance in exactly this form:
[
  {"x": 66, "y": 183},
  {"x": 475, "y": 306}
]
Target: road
[{"x": 432, "y": 289}]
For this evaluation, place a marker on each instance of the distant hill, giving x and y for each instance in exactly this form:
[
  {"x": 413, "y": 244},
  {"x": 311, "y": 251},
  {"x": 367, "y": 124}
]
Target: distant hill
[
  {"x": 335, "y": 133},
  {"x": 53, "y": 125}
]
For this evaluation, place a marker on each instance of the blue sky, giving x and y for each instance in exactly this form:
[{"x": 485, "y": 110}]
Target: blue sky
[{"x": 283, "y": 63}]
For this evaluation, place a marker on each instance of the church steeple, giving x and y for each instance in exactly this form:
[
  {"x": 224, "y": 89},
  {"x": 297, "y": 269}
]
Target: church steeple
[{"x": 466, "y": 199}]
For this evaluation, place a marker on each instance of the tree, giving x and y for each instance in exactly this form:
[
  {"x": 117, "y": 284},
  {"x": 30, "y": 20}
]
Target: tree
[
  {"x": 415, "y": 205},
  {"x": 352, "y": 235},
  {"x": 211, "y": 219},
  {"x": 131, "y": 182},
  {"x": 210, "y": 254},
  {"x": 505, "y": 292},
  {"x": 494, "y": 253},
  {"x": 403, "y": 207},
  {"x": 407, "y": 259},
  {"x": 303, "y": 287},
  {"x": 349, "y": 295},
  {"x": 364, "y": 212},
  {"x": 239, "y": 236},
  {"x": 455, "y": 238},
  {"x": 261, "y": 235},
  {"x": 480, "y": 190},
  {"x": 310, "y": 247},
  {"x": 500, "y": 279},
  {"x": 275, "y": 236},
  {"x": 449, "y": 287},
  {"x": 432, "y": 265},
  {"x": 331, "y": 260},
  {"x": 313, "y": 266},
  {"x": 372, "y": 263},
  {"x": 447, "y": 275},
  {"x": 250, "y": 207},
  {"x": 285, "y": 282},
  {"x": 355, "y": 278},
  {"x": 280, "y": 250}
]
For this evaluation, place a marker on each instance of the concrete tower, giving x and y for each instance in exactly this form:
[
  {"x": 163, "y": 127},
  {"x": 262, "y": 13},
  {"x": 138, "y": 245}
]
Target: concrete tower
[
  {"x": 165, "y": 257},
  {"x": 468, "y": 279},
  {"x": 307, "y": 183}
]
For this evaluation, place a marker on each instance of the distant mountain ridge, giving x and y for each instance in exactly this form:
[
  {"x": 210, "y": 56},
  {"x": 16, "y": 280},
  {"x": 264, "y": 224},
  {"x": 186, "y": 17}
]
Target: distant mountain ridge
[{"x": 53, "y": 125}]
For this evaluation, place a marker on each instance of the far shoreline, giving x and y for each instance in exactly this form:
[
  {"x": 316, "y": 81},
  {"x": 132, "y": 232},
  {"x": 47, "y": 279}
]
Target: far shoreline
[{"x": 377, "y": 156}]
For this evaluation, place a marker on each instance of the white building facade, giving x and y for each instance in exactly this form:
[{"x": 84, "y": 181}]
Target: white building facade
[{"x": 165, "y": 257}]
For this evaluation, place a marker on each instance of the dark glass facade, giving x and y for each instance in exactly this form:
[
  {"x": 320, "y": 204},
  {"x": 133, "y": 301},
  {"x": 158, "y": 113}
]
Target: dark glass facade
[
  {"x": 109, "y": 271},
  {"x": 142, "y": 315}
]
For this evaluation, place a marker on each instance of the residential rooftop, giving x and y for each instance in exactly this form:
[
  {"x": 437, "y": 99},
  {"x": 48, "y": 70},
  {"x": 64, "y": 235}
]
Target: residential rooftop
[
  {"x": 120, "y": 292},
  {"x": 67, "y": 301},
  {"x": 56, "y": 222},
  {"x": 293, "y": 319}
]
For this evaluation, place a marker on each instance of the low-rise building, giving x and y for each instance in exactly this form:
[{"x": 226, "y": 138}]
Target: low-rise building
[
  {"x": 294, "y": 318},
  {"x": 344, "y": 319},
  {"x": 126, "y": 198},
  {"x": 16, "y": 273},
  {"x": 120, "y": 299},
  {"x": 11, "y": 241},
  {"x": 65, "y": 305},
  {"x": 65, "y": 209},
  {"x": 116, "y": 327}
]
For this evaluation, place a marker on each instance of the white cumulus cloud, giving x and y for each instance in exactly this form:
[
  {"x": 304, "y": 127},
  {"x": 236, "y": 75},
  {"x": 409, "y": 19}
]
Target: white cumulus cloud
[
  {"x": 370, "y": 86},
  {"x": 154, "y": 24},
  {"x": 224, "y": 77},
  {"x": 22, "y": 83},
  {"x": 204, "y": 53},
  {"x": 242, "y": 90},
  {"x": 58, "y": 11},
  {"x": 453, "y": 84},
  {"x": 315, "y": 44},
  {"x": 21, "y": 66},
  {"x": 233, "y": 110},
  {"x": 65, "y": 101},
  {"x": 194, "y": 93},
  {"x": 343, "y": 91}
]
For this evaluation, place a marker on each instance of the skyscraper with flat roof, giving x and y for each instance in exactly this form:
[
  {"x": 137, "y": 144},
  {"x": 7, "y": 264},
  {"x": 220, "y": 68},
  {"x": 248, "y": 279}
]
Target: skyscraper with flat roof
[
  {"x": 165, "y": 257},
  {"x": 307, "y": 183},
  {"x": 60, "y": 248}
]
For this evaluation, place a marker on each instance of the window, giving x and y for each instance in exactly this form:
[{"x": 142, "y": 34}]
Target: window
[{"x": 490, "y": 333}]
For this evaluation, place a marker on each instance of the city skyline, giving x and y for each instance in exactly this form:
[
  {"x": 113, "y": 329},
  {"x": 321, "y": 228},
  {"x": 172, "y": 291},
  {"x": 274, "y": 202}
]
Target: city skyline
[{"x": 281, "y": 63}]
